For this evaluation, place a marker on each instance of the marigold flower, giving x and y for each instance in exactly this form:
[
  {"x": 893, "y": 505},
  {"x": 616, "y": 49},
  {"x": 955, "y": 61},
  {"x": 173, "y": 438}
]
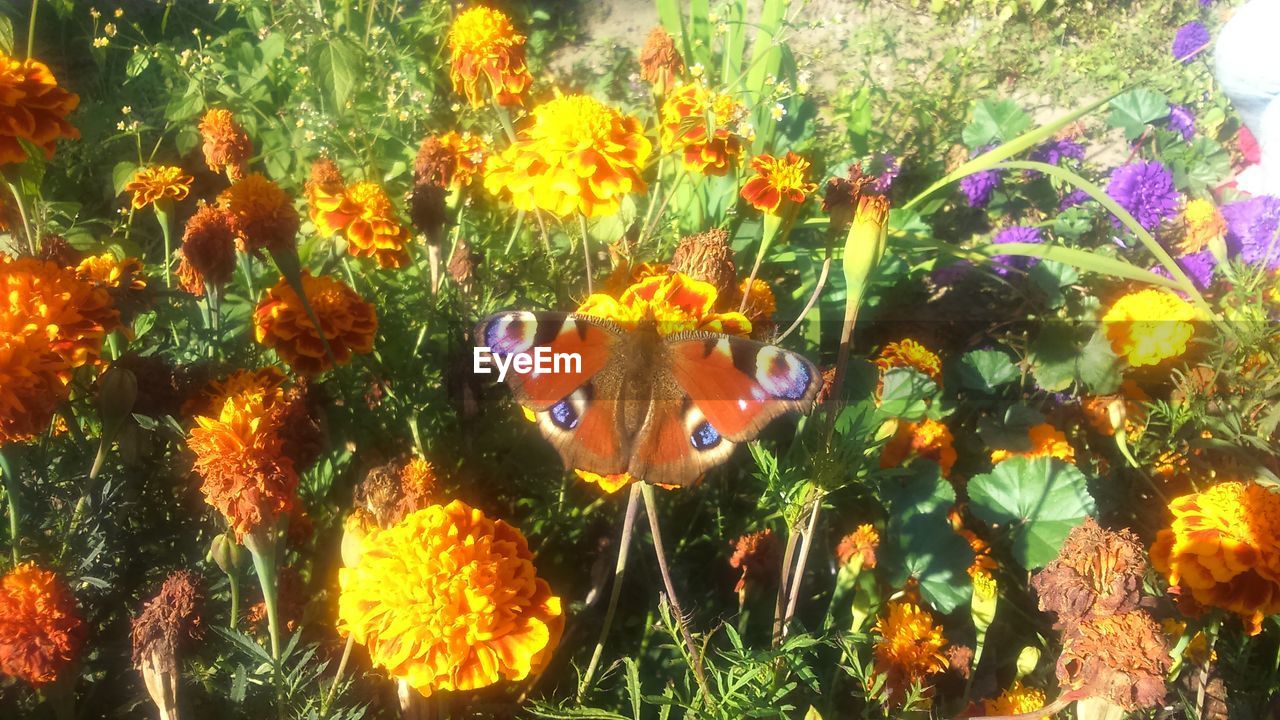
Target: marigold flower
[
  {"x": 208, "y": 253},
  {"x": 755, "y": 554},
  {"x": 483, "y": 44},
  {"x": 261, "y": 213},
  {"x": 1221, "y": 548},
  {"x": 578, "y": 156},
  {"x": 927, "y": 438},
  {"x": 1202, "y": 223},
  {"x": 468, "y": 151},
  {"x": 707, "y": 256},
  {"x": 324, "y": 182},
  {"x": 72, "y": 314},
  {"x": 363, "y": 214},
  {"x": 226, "y": 145},
  {"x": 1097, "y": 571},
  {"x": 390, "y": 492},
  {"x": 695, "y": 122},
  {"x": 909, "y": 648},
  {"x": 158, "y": 183},
  {"x": 1149, "y": 326},
  {"x": 108, "y": 271},
  {"x": 1043, "y": 440},
  {"x": 908, "y": 353},
  {"x": 347, "y": 322},
  {"x": 761, "y": 303},
  {"x": 860, "y": 546},
  {"x": 626, "y": 274},
  {"x": 677, "y": 303},
  {"x": 778, "y": 183},
  {"x": 32, "y": 108},
  {"x": 1121, "y": 658},
  {"x": 448, "y": 599},
  {"x": 660, "y": 62},
  {"x": 40, "y": 629},
  {"x": 32, "y": 385},
  {"x": 1018, "y": 699}
]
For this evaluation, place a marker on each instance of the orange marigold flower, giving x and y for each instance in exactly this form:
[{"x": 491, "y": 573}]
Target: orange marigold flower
[
  {"x": 159, "y": 184},
  {"x": 982, "y": 560},
  {"x": 325, "y": 182},
  {"x": 1018, "y": 699},
  {"x": 577, "y": 156},
  {"x": 40, "y": 629},
  {"x": 909, "y": 648},
  {"x": 226, "y": 145},
  {"x": 779, "y": 184},
  {"x": 72, "y": 314},
  {"x": 449, "y": 599},
  {"x": 468, "y": 152},
  {"x": 364, "y": 215},
  {"x": 908, "y": 353},
  {"x": 927, "y": 438},
  {"x": 755, "y": 555},
  {"x": 261, "y": 213},
  {"x": 1202, "y": 223},
  {"x": 695, "y": 122},
  {"x": 32, "y": 108},
  {"x": 1221, "y": 548},
  {"x": 675, "y": 302},
  {"x": 761, "y": 303},
  {"x": 208, "y": 253},
  {"x": 1098, "y": 410},
  {"x": 1043, "y": 440},
  {"x": 483, "y": 44},
  {"x": 1122, "y": 658},
  {"x": 112, "y": 273},
  {"x": 240, "y": 455},
  {"x": 627, "y": 274},
  {"x": 418, "y": 479},
  {"x": 859, "y": 546},
  {"x": 660, "y": 62},
  {"x": 348, "y": 322},
  {"x": 32, "y": 385},
  {"x": 1150, "y": 326}
]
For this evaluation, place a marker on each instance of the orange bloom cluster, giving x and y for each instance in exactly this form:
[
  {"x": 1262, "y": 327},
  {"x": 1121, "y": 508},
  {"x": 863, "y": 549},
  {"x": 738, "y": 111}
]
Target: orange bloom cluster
[
  {"x": 261, "y": 213},
  {"x": 660, "y": 62},
  {"x": 363, "y": 214},
  {"x": 1223, "y": 547},
  {"x": 112, "y": 273},
  {"x": 347, "y": 323},
  {"x": 32, "y": 385},
  {"x": 761, "y": 302},
  {"x": 1045, "y": 441},
  {"x": 40, "y": 297},
  {"x": 158, "y": 184},
  {"x": 32, "y": 108},
  {"x": 40, "y": 629},
  {"x": 908, "y": 353},
  {"x": 695, "y": 122},
  {"x": 468, "y": 154},
  {"x": 779, "y": 184},
  {"x": 225, "y": 144},
  {"x": 675, "y": 302},
  {"x": 578, "y": 156},
  {"x": 909, "y": 648},
  {"x": 755, "y": 554},
  {"x": 1202, "y": 223},
  {"x": 449, "y": 599},
  {"x": 484, "y": 45},
  {"x": 927, "y": 438},
  {"x": 859, "y": 545},
  {"x": 1018, "y": 699},
  {"x": 208, "y": 252},
  {"x": 240, "y": 453}
]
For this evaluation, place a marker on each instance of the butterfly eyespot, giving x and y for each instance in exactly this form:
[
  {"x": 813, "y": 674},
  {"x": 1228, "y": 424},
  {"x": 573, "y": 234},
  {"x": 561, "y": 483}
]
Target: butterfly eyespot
[
  {"x": 511, "y": 333},
  {"x": 782, "y": 375},
  {"x": 563, "y": 415},
  {"x": 704, "y": 437}
]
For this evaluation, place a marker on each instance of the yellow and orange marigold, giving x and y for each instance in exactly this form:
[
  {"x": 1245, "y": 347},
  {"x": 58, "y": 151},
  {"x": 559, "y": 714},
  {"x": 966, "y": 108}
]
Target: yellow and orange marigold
[
  {"x": 1223, "y": 547},
  {"x": 484, "y": 46},
  {"x": 110, "y": 272},
  {"x": 159, "y": 184},
  {"x": 578, "y": 156},
  {"x": 363, "y": 214},
  {"x": 761, "y": 302},
  {"x": 1202, "y": 223},
  {"x": 32, "y": 385},
  {"x": 1044, "y": 440},
  {"x": 909, "y": 648},
  {"x": 908, "y": 353},
  {"x": 778, "y": 185},
  {"x": 859, "y": 546},
  {"x": 928, "y": 438},
  {"x": 1018, "y": 699},
  {"x": 347, "y": 321},
  {"x": 449, "y": 599},
  {"x": 261, "y": 213},
  {"x": 225, "y": 144},
  {"x": 40, "y": 629},
  {"x": 675, "y": 302},
  {"x": 697, "y": 122},
  {"x": 32, "y": 108},
  {"x": 1149, "y": 326},
  {"x": 74, "y": 315}
]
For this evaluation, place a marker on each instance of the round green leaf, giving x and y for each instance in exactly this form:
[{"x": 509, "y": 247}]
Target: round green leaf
[{"x": 1039, "y": 499}]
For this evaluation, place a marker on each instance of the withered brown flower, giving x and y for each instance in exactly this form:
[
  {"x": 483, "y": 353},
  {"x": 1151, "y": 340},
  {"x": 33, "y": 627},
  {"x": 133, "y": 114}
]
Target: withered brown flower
[
  {"x": 708, "y": 257},
  {"x": 1121, "y": 658},
  {"x": 1097, "y": 572},
  {"x": 660, "y": 62},
  {"x": 462, "y": 264},
  {"x": 755, "y": 555},
  {"x": 167, "y": 622}
]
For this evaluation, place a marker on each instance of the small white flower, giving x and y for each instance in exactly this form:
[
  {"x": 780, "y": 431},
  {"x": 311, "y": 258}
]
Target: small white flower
[{"x": 778, "y": 111}]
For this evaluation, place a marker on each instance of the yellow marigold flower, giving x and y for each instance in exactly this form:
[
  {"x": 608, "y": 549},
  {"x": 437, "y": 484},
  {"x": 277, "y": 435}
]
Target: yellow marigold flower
[
  {"x": 1171, "y": 465},
  {"x": 240, "y": 456},
  {"x": 261, "y": 213},
  {"x": 627, "y": 274},
  {"x": 363, "y": 214},
  {"x": 1197, "y": 651},
  {"x": 32, "y": 108},
  {"x": 660, "y": 62},
  {"x": 578, "y": 156},
  {"x": 1045, "y": 441},
  {"x": 676, "y": 302},
  {"x": 695, "y": 122},
  {"x": 449, "y": 599},
  {"x": 1202, "y": 223},
  {"x": 324, "y": 183},
  {"x": 32, "y": 385},
  {"x": 1018, "y": 699},
  {"x": 927, "y": 438},
  {"x": 349, "y": 323},
  {"x": 1221, "y": 548},
  {"x": 483, "y": 44},
  {"x": 909, "y": 648},
  {"x": 158, "y": 183},
  {"x": 778, "y": 183},
  {"x": 1149, "y": 326},
  {"x": 40, "y": 297},
  {"x": 108, "y": 271},
  {"x": 761, "y": 303},
  {"x": 40, "y": 629},
  {"x": 908, "y": 353},
  {"x": 208, "y": 253},
  {"x": 859, "y": 545},
  {"x": 226, "y": 145}
]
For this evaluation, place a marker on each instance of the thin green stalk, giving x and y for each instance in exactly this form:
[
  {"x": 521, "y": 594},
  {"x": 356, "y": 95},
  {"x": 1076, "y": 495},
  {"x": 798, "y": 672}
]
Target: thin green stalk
[
  {"x": 586, "y": 251},
  {"x": 805, "y": 546},
  {"x": 22, "y": 213},
  {"x": 337, "y": 678},
  {"x": 246, "y": 267},
  {"x": 162, "y": 217},
  {"x": 31, "y": 29},
  {"x": 11, "y": 495},
  {"x": 780, "y": 603},
  {"x": 624, "y": 547},
  {"x": 233, "y": 579}
]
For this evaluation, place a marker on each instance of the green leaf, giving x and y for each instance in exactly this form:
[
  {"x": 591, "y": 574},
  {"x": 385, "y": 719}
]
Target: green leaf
[
  {"x": 995, "y": 121},
  {"x": 1064, "y": 354},
  {"x": 181, "y": 108},
  {"x": 121, "y": 174},
  {"x": 1133, "y": 110},
  {"x": 1039, "y": 499},
  {"x": 338, "y": 63},
  {"x": 906, "y": 393},
  {"x": 138, "y": 62},
  {"x": 6, "y": 35},
  {"x": 920, "y": 542},
  {"x": 987, "y": 370}
]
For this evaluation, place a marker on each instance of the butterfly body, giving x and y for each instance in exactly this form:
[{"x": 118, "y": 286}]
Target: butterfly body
[{"x": 663, "y": 407}]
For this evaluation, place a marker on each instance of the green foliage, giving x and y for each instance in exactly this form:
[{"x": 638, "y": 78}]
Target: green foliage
[{"x": 1037, "y": 500}]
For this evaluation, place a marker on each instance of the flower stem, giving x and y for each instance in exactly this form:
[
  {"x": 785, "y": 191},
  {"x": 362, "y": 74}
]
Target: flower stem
[
  {"x": 162, "y": 217},
  {"x": 11, "y": 495},
  {"x": 771, "y": 225},
  {"x": 337, "y": 678},
  {"x": 586, "y": 250},
  {"x": 261, "y": 544},
  {"x": 624, "y": 546},
  {"x": 805, "y": 545},
  {"x": 31, "y": 29},
  {"x": 22, "y": 213}
]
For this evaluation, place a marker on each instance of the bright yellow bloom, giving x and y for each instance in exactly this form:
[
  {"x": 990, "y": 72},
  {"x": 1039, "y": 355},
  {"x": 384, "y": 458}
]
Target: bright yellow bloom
[
  {"x": 449, "y": 599},
  {"x": 1201, "y": 224},
  {"x": 40, "y": 297},
  {"x": 778, "y": 184},
  {"x": 1018, "y": 699},
  {"x": 696, "y": 122},
  {"x": 483, "y": 44},
  {"x": 363, "y": 214},
  {"x": 1149, "y": 326},
  {"x": 578, "y": 156},
  {"x": 1224, "y": 548},
  {"x": 908, "y": 353},
  {"x": 348, "y": 322},
  {"x": 112, "y": 273},
  {"x": 675, "y": 302},
  {"x": 157, "y": 183},
  {"x": 909, "y": 649},
  {"x": 261, "y": 213},
  {"x": 32, "y": 385},
  {"x": 41, "y": 632},
  {"x": 1197, "y": 650},
  {"x": 32, "y": 108},
  {"x": 927, "y": 438},
  {"x": 1045, "y": 441}
]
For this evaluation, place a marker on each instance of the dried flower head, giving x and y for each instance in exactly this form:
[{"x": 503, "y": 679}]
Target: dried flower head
[
  {"x": 708, "y": 257},
  {"x": 660, "y": 63},
  {"x": 484, "y": 45},
  {"x": 261, "y": 213},
  {"x": 462, "y": 264},
  {"x": 226, "y": 145},
  {"x": 40, "y": 629},
  {"x": 1096, "y": 572},
  {"x": 1121, "y": 658},
  {"x": 755, "y": 554},
  {"x": 347, "y": 323},
  {"x": 208, "y": 253},
  {"x": 32, "y": 108},
  {"x": 167, "y": 621}
]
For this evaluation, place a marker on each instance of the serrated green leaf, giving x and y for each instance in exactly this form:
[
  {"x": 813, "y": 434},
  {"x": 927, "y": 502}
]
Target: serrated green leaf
[
  {"x": 338, "y": 65},
  {"x": 1039, "y": 500},
  {"x": 920, "y": 542},
  {"x": 1133, "y": 110},
  {"x": 987, "y": 370},
  {"x": 906, "y": 393},
  {"x": 995, "y": 121},
  {"x": 6, "y": 35}
]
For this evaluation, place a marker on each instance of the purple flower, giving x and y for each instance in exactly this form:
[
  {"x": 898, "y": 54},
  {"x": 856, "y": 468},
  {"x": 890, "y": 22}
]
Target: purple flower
[
  {"x": 979, "y": 187},
  {"x": 1182, "y": 121},
  {"x": 1145, "y": 189},
  {"x": 1074, "y": 198},
  {"x": 1002, "y": 264},
  {"x": 1200, "y": 267},
  {"x": 886, "y": 168},
  {"x": 1191, "y": 38},
  {"x": 1252, "y": 227},
  {"x": 1055, "y": 151},
  {"x": 951, "y": 274}
]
